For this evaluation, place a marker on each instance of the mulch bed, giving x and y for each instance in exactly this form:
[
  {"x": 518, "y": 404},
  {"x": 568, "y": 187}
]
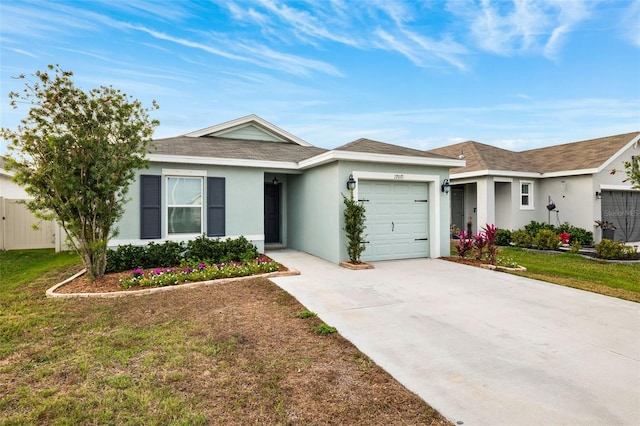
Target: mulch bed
[{"x": 110, "y": 282}]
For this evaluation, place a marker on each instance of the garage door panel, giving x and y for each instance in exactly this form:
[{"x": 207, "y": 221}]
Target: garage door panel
[{"x": 396, "y": 216}]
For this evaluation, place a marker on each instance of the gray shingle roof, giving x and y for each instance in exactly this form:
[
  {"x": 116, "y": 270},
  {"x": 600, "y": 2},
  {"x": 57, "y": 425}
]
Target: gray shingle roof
[
  {"x": 588, "y": 154},
  {"x": 375, "y": 147},
  {"x": 215, "y": 147}
]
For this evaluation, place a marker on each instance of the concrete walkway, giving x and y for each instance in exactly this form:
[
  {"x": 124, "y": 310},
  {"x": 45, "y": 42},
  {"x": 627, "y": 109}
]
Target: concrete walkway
[{"x": 483, "y": 347}]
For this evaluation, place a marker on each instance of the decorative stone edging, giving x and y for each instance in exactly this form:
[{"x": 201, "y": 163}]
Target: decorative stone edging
[
  {"x": 50, "y": 293},
  {"x": 502, "y": 268},
  {"x": 356, "y": 266}
]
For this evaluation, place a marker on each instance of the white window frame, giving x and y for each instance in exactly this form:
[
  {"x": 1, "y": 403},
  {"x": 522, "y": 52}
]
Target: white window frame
[
  {"x": 530, "y": 205},
  {"x": 169, "y": 205}
]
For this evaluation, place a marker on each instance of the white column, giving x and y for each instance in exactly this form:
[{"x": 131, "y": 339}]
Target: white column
[{"x": 486, "y": 202}]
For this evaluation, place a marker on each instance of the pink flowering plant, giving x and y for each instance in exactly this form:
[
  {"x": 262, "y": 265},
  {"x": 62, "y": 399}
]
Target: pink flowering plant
[
  {"x": 483, "y": 244},
  {"x": 197, "y": 271}
]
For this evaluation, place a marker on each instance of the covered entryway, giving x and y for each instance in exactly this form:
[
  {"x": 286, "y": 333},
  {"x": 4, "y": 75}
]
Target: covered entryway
[
  {"x": 397, "y": 219},
  {"x": 272, "y": 216}
]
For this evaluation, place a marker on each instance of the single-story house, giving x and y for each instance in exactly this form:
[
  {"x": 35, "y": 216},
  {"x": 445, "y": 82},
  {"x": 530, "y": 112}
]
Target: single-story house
[
  {"x": 578, "y": 182},
  {"x": 248, "y": 177}
]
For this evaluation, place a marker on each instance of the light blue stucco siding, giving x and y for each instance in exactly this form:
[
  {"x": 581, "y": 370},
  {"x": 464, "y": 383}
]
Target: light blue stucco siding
[
  {"x": 433, "y": 176},
  {"x": 244, "y": 204},
  {"x": 313, "y": 212},
  {"x": 316, "y": 209}
]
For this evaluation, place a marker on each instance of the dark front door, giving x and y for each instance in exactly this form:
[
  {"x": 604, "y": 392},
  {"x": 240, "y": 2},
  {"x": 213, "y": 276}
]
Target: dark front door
[
  {"x": 272, "y": 213},
  {"x": 457, "y": 207}
]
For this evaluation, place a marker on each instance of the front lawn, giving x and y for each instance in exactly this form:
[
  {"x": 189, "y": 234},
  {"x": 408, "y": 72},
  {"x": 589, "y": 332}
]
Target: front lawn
[
  {"x": 620, "y": 280},
  {"x": 233, "y": 353}
]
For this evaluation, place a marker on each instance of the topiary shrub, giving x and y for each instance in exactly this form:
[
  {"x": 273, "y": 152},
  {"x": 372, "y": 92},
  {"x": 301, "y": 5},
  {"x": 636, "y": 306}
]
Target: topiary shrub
[
  {"x": 354, "y": 218},
  {"x": 546, "y": 239}
]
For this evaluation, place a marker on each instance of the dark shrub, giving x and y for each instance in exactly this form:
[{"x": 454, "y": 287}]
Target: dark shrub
[
  {"x": 203, "y": 249},
  {"x": 503, "y": 238},
  {"x": 171, "y": 253},
  {"x": 579, "y": 235},
  {"x": 167, "y": 254}
]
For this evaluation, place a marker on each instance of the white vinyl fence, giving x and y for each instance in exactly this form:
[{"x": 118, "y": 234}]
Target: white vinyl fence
[{"x": 17, "y": 228}]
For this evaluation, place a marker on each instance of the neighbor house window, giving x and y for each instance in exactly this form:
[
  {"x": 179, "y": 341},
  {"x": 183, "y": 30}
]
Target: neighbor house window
[
  {"x": 184, "y": 205},
  {"x": 526, "y": 195}
]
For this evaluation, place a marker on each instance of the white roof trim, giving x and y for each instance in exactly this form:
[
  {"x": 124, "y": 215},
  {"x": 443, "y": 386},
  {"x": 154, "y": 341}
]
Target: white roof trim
[
  {"x": 217, "y": 161},
  {"x": 505, "y": 173},
  {"x": 250, "y": 119},
  {"x": 510, "y": 173},
  {"x": 633, "y": 142},
  {"x": 605, "y": 187},
  {"x": 335, "y": 155}
]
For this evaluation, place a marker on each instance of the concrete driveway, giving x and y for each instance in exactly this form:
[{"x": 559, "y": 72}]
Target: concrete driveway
[{"x": 483, "y": 347}]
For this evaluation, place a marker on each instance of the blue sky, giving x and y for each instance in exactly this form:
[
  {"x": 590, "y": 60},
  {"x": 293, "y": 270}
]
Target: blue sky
[{"x": 422, "y": 74}]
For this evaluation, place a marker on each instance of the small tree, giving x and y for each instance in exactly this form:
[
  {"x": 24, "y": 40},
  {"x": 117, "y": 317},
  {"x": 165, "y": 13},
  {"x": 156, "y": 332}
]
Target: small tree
[
  {"x": 76, "y": 153},
  {"x": 354, "y": 217},
  {"x": 632, "y": 168}
]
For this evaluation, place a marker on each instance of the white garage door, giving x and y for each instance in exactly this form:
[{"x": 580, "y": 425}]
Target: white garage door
[{"x": 397, "y": 219}]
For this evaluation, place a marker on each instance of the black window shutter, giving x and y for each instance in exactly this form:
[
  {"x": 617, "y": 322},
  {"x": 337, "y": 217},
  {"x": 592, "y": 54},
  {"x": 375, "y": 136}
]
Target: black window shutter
[
  {"x": 150, "y": 206},
  {"x": 215, "y": 207}
]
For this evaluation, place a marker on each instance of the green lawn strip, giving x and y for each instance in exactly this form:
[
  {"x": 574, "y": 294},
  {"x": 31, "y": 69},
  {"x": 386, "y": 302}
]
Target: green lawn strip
[
  {"x": 610, "y": 278},
  {"x": 21, "y": 266},
  {"x": 234, "y": 355}
]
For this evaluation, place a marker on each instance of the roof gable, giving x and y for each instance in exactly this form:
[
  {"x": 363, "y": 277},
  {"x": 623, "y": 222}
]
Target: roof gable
[{"x": 250, "y": 127}]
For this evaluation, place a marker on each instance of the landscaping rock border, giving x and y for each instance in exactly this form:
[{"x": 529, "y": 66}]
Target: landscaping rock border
[{"x": 51, "y": 292}]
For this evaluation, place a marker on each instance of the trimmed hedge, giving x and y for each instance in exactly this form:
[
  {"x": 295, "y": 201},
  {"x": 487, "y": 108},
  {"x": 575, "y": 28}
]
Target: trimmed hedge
[{"x": 171, "y": 253}]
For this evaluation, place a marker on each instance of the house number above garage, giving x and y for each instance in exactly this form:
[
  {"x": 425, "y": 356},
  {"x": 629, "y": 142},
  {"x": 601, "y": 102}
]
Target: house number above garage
[{"x": 398, "y": 177}]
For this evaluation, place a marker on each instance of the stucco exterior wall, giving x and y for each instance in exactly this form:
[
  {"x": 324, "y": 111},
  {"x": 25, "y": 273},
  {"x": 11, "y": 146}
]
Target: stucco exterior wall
[
  {"x": 244, "y": 205},
  {"x": 439, "y": 210},
  {"x": 313, "y": 210}
]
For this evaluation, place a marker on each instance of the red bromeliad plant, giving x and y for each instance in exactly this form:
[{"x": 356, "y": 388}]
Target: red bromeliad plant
[
  {"x": 484, "y": 243},
  {"x": 479, "y": 242},
  {"x": 491, "y": 233},
  {"x": 465, "y": 244}
]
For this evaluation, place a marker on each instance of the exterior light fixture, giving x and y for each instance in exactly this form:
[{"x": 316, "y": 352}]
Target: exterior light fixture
[
  {"x": 563, "y": 185},
  {"x": 598, "y": 195},
  {"x": 446, "y": 186},
  {"x": 275, "y": 180},
  {"x": 351, "y": 183}
]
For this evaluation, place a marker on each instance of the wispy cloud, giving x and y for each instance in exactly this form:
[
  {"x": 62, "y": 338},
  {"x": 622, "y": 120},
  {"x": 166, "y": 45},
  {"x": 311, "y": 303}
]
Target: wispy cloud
[
  {"x": 524, "y": 26},
  {"x": 632, "y": 22}
]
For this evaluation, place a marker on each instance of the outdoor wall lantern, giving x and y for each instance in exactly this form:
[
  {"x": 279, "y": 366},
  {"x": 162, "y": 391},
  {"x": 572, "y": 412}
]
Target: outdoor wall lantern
[
  {"x": 275, "y": 180},
  {"x": 598, "y": 195},
  {"x": 351, "y": 183},
  {"x": 446, "y": 186},
  {"x": 563, "y": 185}
]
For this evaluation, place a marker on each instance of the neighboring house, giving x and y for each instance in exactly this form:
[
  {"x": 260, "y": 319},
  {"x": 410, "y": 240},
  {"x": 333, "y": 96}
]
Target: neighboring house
[
  {"x": 584, "y": 180},
  {"x": 17, "y": 222},
  {"x": 248, "y": 177}
]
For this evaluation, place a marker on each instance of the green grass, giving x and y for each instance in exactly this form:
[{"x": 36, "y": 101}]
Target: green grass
[
  {"x": 21, "y": 266},
  {"x": 231, "y": 354},
  {"x": 572, "y": 270}
]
